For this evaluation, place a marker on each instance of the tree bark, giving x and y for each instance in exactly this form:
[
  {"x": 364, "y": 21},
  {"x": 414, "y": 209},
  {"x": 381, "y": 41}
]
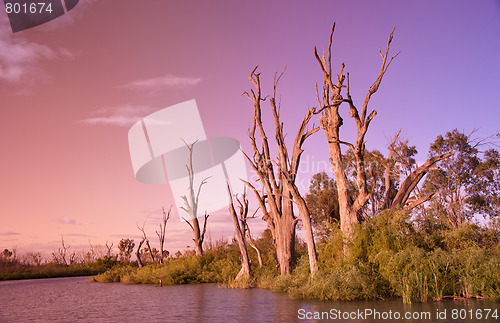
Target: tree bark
[
  {"x": 138, "y": 253},
  {"x": 199, "y": 235},
  {"x": 161, "y": 234},
  {"x": 191, "y": 205},
  {"x": 246, "y": 229},
  {"x": 409, "y": 184},
  {"x": 240, "y": 238},
  {"x": 279, "y": 188},
  {"x": 350, "y": 207}
]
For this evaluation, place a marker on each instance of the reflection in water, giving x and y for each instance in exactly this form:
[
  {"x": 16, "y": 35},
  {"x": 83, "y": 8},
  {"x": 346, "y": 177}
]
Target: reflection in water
[{"x": 76, "y": 299}]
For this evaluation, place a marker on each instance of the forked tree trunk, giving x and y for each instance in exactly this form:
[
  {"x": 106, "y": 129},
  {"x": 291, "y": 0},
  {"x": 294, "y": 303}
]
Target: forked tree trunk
[
  {"x": 138, "y": 253},
  {"x": 350, "y": 206},
  {"x": 278, "y": 179},
  {"x": 240, "y": 238},
  {"x": 198, "y": 240},
  {"x": 191, "y": 205},
  {"x": 161, "y": 234}
]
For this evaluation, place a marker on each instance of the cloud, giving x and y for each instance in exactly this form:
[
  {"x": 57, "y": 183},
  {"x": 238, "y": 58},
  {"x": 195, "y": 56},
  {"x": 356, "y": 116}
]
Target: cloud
[
  {"x": 9, "y": 233},
  {"x": 20, "y": 58},
  {"x": 159, "y": 83},
  {"x": 122, "y": 116},
  {"x": 68, "y": 18},
  {"x": 77, "y": 235},
  {"x": 64, "y": 221}
]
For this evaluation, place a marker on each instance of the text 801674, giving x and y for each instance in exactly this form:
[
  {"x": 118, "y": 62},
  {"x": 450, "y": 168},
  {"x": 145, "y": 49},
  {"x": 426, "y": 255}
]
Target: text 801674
[{"x": 28, "y": 8}]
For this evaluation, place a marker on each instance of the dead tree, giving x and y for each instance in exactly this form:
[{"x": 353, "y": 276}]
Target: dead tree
[
  {"x": 333, "y": 96},
  {"x": 108, "y": 249},
  {"x": 278, "y": 182},
  {"x": 62, "y": 252},
  {"x": 401, "y": 197},
  {"x": 161, "y": 234},
  {"x": 138, "y": 253},
  {"x": 239, "y": 230},
  {"x": 145, "y": 238},
  {"x": 191, "y": 205},
  {"x": 243, "y": 206},
  {"x": 351, "y": 206}
]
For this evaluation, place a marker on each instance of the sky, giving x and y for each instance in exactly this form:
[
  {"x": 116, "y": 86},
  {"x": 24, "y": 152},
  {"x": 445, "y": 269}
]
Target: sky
[{"x": 71, "y": 89}]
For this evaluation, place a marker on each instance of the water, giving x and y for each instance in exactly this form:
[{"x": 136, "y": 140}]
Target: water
[{"x": 78, "y": 300}]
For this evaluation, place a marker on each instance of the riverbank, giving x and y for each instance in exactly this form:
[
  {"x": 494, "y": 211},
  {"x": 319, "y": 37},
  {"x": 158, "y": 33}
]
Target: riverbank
[{"x": 387, "y": 259}]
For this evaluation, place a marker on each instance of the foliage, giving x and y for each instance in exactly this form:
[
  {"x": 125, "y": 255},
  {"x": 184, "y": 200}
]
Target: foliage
[
  {"x": 468, "y": 183},
  {"x": 126, "y": 247},
  {"x": 390, "y": 256},
  {"x": 17, "y": 269},
  {"x": 322, "y": 202}
]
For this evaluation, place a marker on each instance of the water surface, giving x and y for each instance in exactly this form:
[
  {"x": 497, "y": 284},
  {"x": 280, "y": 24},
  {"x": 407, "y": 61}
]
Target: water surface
[{"x": 78, "y": 300}]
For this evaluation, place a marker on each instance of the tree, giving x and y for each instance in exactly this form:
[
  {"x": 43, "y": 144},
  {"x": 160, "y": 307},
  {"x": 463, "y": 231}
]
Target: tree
[
  {"x": 6, "y": 254},
  {"x": 278, "y": 182},
  {"x": 336, "y": 92},
  {"x": 126, "y": 247},
  {"x": 323, "y": 203},
  {"x": 239, "y": 229},
  {"x": 109, "y": 247},
  {"x": 374, "y": 168},
  {"x": 191, "y": 205},
  {"x": 350, "y": 206},
  {"x": 467, "y": 183},
  {"x": 144, "y": 239},
  {"x": 161, "y": 234},
  {"x": 400, "y": 164},
  {"x": 61, "y": 257}
]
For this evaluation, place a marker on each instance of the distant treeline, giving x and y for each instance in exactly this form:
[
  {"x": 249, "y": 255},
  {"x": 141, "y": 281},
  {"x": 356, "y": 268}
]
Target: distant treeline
[{"x": 14, "y": 267}]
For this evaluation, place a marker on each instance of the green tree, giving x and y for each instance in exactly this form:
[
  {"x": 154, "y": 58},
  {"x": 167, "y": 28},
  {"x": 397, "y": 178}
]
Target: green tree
[
  {"x": 126, "y": 247},
  {"x": 468, "y": 184},
  {"x": 6, "y": 254},
  {"x": 323, "y": 203}
]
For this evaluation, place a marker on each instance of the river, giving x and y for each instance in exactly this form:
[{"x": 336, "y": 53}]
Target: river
[{"x": 78, "y": 300}]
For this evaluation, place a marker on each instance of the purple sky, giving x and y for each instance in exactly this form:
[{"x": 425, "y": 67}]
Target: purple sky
[{"x": 70, "y": 90}]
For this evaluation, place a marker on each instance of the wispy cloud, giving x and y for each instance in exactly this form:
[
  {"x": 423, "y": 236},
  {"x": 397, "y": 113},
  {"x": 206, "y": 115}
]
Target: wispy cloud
[
  {"x": 20, "y": 58},
  {"x": 9, "y": 233},
  {"x": 68, "y": 18},
  {"x": 122, "y": 116},
  {"x": 64, "y": 221},
  {"x": 160, "y": 83}
]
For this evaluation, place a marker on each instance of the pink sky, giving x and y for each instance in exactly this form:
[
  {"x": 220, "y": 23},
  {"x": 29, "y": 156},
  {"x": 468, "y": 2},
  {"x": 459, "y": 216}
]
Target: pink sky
[{"x": 71, "y": 89}]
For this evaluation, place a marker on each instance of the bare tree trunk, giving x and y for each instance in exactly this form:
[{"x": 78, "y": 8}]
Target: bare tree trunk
[
  {"x": 285, "y": 244},
  {"x": 257, "y": 250},
  {"x": 108, "y": 249},
  {"x": 138, "y": 253},
  {"x": 246, "y": 229},
  {"x": 392, "y": 198},
  {"x": 145, "y": 238},
  {"x": 279, "y": 188},
  {"x": 63, "y": 251},
  {"x": 191, "y": 205},
  {"x": 198, "y": 235},
  {"x": 161, "y": 234},
  {"x": 350, "y": 207},
  {"x": 409, "y": 184},
  {"x": 240, "y": 238}
]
